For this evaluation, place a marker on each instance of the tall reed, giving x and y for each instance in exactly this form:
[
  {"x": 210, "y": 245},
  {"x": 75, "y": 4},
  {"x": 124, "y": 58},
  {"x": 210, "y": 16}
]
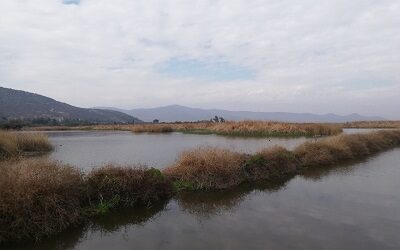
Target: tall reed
[{"x": 13, "y": 144}]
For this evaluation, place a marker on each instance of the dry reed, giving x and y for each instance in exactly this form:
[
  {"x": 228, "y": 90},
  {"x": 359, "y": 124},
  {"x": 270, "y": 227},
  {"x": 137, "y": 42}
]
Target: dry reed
[
  {"x": 14, "y": 144},
  {"x": 212, "y": 168}
]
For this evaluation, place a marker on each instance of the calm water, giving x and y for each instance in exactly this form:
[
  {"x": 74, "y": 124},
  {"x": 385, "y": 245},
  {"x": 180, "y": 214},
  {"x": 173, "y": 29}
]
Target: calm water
[
  {"x": 87, "y": 149},
  {"x": 349, "y": 207}
]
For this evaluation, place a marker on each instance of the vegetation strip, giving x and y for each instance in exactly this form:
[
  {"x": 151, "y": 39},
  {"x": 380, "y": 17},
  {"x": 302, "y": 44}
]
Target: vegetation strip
[
  {"x": 244, "y": 128},
  {"x": 39, "y": 198},
  {"x": 213, "y": 168},
  {"x": 231, "y": 128}
]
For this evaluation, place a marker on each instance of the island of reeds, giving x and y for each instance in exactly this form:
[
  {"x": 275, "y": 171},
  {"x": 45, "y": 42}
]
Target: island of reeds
[
  {"x": 40, "y": 197},
  {"x": 229, "y": 128}
]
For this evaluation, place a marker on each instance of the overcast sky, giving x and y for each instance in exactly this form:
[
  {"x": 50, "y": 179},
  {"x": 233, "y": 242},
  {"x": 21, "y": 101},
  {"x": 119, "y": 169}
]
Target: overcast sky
[{"x": 318, "y": 56}]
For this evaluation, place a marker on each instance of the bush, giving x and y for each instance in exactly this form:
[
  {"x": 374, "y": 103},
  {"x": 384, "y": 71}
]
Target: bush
[
  {"x": 116, "y": 186},
  {"x": 38, "y": 198},
  {"x": 14, "y": 144},
  {"x": 207, "y": 168}
]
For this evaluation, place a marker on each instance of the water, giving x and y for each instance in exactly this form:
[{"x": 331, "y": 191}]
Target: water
[
  {"x": 88, "y": 149},
  {"x": 349, "y": 207}
]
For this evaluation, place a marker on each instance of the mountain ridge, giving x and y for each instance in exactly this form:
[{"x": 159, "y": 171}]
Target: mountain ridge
[
  {"x": 23, "y": 105},
  {"x": 171, "y": 113}
]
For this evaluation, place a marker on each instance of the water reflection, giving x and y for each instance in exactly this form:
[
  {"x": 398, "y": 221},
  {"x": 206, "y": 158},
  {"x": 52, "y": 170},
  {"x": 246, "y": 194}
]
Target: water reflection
[{"x": 208, "y": 204}]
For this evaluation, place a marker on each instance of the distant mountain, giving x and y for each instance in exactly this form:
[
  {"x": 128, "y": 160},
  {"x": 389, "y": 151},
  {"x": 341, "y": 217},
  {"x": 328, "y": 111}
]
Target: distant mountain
[
  {"x": 181, "y": 113},
  {"x": 17, "y": 104}
]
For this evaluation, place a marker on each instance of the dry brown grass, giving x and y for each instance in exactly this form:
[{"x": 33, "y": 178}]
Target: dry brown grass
[
  {"x": 372, "y": 124},
  {"x": 213, "y": 168},
  {"x": 119, "y": 186},
  {"x": 276, "y": 162},
  {"x": 14, "y": 144},
  {"x": 207, "y": 168},
  {"x": 244, "y": 128},
  {"x": 241, "y": 128},
  {"x": 38, "y": 198},
  {"x": 341, "y": 148},
  {"x": 152, "y": 128}
]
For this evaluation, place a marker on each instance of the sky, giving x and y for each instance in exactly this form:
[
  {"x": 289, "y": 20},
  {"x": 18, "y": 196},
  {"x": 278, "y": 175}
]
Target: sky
[{"x": 330, "y": 56}]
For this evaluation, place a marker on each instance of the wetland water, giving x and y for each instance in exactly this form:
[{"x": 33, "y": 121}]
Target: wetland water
[{"x": 87, "y": 149}]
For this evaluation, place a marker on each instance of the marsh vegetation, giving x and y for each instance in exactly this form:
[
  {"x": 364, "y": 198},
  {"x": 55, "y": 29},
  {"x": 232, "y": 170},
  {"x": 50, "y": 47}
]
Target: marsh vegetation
[{"x": 40, "y": 197}]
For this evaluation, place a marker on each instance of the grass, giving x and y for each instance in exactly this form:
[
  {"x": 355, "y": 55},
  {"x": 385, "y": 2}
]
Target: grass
[
  {"x": 244, "y": 128},
  {"x": 15, "y": 144},
  {"x": 39, "y": 198},
  {"x": 206, "y": 168},
  {"x": 116, "y": 186},
  {"x": 213, "y": 168},
  {"x": 372, "y": 124},
  {"x": 241, "y": 128}
]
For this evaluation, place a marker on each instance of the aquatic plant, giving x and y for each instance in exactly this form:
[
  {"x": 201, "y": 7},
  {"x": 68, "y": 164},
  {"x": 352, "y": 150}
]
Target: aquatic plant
[
  {"x": 213, "y": 168},
  {"x": 38, "y": 198},
  {"x": 244, "y": 128},
  {"x": 135, "y": 185},
  {"x": 14, "y": 144}
]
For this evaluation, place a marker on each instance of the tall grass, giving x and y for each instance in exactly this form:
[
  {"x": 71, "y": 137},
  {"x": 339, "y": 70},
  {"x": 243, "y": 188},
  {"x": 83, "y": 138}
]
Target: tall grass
[
  {"x": 212, "y": 168},
  {"x": 372, "y": 124},
  {"x": 39, "y": 198},
  {"x": 117, "y": 186},
  {"x": 206, "y": 168},
  {"x": 244, "y": 128},
  {"x": 15, "y": 144},
  {"x": 241, "y": 128}
]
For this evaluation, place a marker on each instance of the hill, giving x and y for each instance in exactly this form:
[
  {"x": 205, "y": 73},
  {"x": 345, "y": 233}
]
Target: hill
[
  {"x": 21, "y": 105},
  {"x": 181, "y": 113}
]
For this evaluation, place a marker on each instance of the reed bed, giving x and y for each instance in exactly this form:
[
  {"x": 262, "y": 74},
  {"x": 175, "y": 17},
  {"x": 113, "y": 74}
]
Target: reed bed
[
  {"x": 212, "y": 168},
  {"x": 39, "y": 198},
  {"x": 15, "y": 144},
  {"x": 244, "y": 128},
  {"x": 372, "y": 124}
]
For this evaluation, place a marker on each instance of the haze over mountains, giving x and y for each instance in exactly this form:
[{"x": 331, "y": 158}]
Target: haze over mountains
[
  {"x": 17, "y": 104},
  {"x": 181, "y": 113}
]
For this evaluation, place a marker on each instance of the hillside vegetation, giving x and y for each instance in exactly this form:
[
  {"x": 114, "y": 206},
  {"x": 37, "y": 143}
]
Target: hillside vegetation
[{"x": 28, "y": 107}]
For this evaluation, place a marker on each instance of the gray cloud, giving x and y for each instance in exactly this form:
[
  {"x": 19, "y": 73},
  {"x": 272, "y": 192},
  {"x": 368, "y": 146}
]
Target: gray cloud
[{"x": 331, "y": 56}]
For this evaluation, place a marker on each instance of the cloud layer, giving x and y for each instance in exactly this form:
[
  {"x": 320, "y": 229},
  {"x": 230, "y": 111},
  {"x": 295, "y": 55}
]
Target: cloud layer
[{"x": 310, "y": 56}]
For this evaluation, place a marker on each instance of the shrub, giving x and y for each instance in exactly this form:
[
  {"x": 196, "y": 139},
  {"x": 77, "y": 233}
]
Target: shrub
[
  {"x": 116, "y": 186},
  {"x": 274, "y": 162},
  {"x": 38, "y": 198},
  {"x": 207, "y": 168}
]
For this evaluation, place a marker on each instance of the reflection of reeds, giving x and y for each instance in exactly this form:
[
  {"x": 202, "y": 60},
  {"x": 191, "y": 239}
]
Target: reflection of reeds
[
  {"x": 211, "y": 168},
  {"x": 207, "y": 204},
  {"x": 14, "y": 144}
]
